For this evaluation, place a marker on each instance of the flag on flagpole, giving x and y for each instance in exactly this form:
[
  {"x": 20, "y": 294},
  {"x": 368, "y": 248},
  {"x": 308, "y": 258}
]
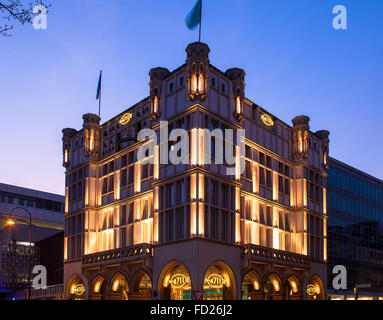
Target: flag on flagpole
[
  {"x": 98, "y": 96},
  {"x": 193, "y": 19},
  {"x": 99, "y": 86}
]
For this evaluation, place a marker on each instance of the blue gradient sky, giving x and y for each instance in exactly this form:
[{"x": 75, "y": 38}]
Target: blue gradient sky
[{"x": 296, "y": 63}]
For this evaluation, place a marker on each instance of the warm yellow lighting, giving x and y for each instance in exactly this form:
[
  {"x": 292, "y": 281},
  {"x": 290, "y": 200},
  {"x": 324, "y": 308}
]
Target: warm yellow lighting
[
  {"x": 193, "y": 187},
  {"x": 156, "y": 170},
  {"x": 256, "y": 285},
  {"x": 178, "y": 280},
  {"x": 215, "y": 281},
  {"x": 126, "y": 118},
  {"x": 201, "y": 222},
  {"x": 193, "y": 217},
  {"x": 91, "y": 140},
  {"x": 200, "y": 84},
  {"x": 194, "y": 147},
  {"x": 11, "y": 222},
  {"x": 266, "y": 119},
  {"x": 226, "y": 279},
  {"x": 116, "y": 284},
  {"x": 155, "y": 106},
  {"x": 201, "y": 190},
  {"x": 276, "y": 285},
  {"x": 201, "y": 152},
  {"x": 238, "y": 107},
  {"x": 166, "y": 281}
]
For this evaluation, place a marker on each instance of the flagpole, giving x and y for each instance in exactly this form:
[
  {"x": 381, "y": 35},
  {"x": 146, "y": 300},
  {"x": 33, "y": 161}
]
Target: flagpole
[
  {"x": 200, "y": 24},
  {"x": 99, "y": 98}
]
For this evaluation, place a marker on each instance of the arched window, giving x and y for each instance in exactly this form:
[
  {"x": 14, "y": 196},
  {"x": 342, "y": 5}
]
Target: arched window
[
  {"x": 141, "y": 286},
  {"x": 315, "y": 289},
  {"x": 99, "y": 288},
  {"x": 120, "y": 288},
  {"x": 175, "y": 282},
  {"x": 272, "y": 288},
  {"x": 292, "y": 288},
  {"x": 219, "y": 283},
  {"x": 251, "y": 286},
  {"x": 75, "y": 289}
]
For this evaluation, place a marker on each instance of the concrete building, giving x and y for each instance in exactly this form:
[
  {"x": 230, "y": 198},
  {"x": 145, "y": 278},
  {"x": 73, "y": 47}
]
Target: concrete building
[
  {"x": 138, "y": 230},
  {"x": 355, "y": 230},
  {"x": 17, "y": 255}
]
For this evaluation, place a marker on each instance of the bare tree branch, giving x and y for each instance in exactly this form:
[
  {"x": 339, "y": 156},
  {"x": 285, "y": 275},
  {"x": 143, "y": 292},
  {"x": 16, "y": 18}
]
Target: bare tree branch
[{"x": 17, "y": 11}]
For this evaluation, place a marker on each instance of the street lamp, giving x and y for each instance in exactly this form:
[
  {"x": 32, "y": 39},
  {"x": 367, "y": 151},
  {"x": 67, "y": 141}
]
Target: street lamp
[{"x": 11, "y": 221}]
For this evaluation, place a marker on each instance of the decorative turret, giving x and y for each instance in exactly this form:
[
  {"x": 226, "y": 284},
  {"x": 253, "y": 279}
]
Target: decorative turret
[
  {"x": 323, "y": 135},
  {"x": 197, "y": 67},
  {"x": 91, "y": 137},
  {"x": 156, "y": 82},
  {"x": 68, "y": 133},
  {"x": 238, "y": 83},
  {"x": 301, "y": 137}
]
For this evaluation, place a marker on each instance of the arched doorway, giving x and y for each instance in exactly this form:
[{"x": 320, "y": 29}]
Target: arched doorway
[
  {"x": 120, "y": 288},
  {"x": 141, "y": 286},
  {"x": 272, "y": 287},
  {"x": 219, "y": 282},
  {"x": 99, "y": 288},
  {"x": 75, "y": 289},
  {"x": 175, "y": 282},
  {"x": 292, "y": 289},
  {"x": 251, "y": 286},
  {"x": 315, "y": 289}
]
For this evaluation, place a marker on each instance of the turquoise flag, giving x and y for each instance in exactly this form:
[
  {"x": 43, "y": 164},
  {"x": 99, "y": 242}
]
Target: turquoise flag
[{"x": 194, "y": 17}]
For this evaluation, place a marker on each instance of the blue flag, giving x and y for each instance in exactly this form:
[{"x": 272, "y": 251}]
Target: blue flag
[{"x": 194, "y": 17}]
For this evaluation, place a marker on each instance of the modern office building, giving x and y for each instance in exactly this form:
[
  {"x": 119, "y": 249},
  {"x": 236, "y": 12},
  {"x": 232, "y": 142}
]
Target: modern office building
[
  {"x": 355, "y": 230},
  {"x": 195, "y": 229},
  {"x": 24, "y": 212}
]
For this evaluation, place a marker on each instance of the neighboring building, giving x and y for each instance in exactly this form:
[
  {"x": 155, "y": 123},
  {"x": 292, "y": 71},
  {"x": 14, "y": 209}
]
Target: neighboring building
[
  {"x": 164, "y": 231},
  {"x": 355, "y": 229},
  {"x": 17, "y": 255}
]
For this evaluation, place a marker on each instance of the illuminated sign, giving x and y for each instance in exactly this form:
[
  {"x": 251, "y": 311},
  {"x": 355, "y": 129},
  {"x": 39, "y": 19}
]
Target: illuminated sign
[
  {"x": 267, "y": 121},
  {"x": 78, "y": 289},
  {"x": 126, "y": 118},
  {"x": 312, "y": 290},
  {"x": 178, "y": 280},
  {"x": 215, "y": 281}
]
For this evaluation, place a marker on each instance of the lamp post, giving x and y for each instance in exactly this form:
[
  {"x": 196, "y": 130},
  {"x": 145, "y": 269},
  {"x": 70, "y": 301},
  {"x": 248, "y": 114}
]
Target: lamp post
[{"x": 12, "y": 222}]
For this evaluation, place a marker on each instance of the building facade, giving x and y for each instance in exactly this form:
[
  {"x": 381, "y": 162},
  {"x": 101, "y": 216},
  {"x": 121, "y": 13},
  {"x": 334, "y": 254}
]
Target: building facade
[
  {"x": 17, "y": 254},
  {"x": 355, "y": 230},
  {"x": 138, "y": 226}
]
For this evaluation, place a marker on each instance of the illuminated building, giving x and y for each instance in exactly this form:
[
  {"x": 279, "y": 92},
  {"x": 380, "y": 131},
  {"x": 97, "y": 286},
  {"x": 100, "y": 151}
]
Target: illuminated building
[
  {"x": 47, "y": 213},
  {"x": 355, "y": 230},
  {"x": 164, "y": 231}
]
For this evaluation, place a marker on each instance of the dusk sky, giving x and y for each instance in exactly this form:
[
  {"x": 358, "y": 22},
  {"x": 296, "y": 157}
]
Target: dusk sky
[{"x": 296, "y": 63}]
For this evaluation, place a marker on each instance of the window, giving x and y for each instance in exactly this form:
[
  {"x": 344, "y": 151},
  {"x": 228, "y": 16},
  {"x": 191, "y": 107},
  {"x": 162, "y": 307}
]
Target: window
[
  {"x": 131, "y": 175},
  {"x": 123, "y": 178},
  {"x": 181, "y": 81},
  {"x": 213, "y": 192},
  {"x": 124, "y": 161},
  {"x": 213, "y": 82},
  {"x": 170, "y": 225},
  {"x": 181, "y": 192},
  {"x": 123, "y": 237},
  {"x": 181, "y": 223},
  {"x": 131, "y": 213},
  {"x": 261, "y": 176},
  {"x": 123, "y": 216},
  {"x": 269, "y": 182},
  {"x": 269, "y": 217},
  {"x": 213, "y": 224},
  {"x": 223, "y": 88},
  {"x": 262, "y": 158},
  {"x": 131, "y": 157},
  {"x": 171, "y": 87},
  {"x": 170, "y": 194}
]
